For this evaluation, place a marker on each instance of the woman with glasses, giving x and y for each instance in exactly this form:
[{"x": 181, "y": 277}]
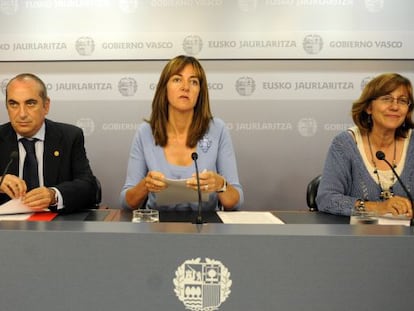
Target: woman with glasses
[{"x": 356, "y": 174}]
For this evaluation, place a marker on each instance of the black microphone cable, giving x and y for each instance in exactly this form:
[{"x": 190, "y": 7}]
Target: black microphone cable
[
  {"x": 199, "y": 218},
  {"x": 381, "y": 156}
]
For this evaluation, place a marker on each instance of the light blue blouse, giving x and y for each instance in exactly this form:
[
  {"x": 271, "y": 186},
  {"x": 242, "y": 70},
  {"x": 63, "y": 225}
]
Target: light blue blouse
[{"x": 215, "y": 153}]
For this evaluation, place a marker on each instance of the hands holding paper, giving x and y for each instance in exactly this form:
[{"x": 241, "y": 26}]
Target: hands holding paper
[
  {"x": 37, "y": 199},
  {"x": 155, "y": 181},
  {"x": 209, "y": 181},
  {"x": 174, "y": 191}
]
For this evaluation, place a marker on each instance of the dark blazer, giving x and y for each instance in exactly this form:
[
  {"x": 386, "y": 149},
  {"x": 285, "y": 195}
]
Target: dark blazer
[{"x": 65, "y": 164}]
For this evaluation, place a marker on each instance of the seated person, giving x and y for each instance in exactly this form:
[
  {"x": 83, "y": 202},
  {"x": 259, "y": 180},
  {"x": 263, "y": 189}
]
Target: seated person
[
  {"x": 353, "y": 177},
  {"x": 181, "y": 123},
  {"x": 52, "y": 170}
]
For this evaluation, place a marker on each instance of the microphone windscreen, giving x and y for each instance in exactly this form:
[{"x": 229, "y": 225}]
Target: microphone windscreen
[
  {"x": 380, "y": 155},
  {"x": 194, "y": 156},
  {"x": 14, "y": 155}
]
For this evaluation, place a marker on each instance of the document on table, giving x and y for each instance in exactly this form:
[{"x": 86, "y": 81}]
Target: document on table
[
  {"x": 248, "y": 217},
  {"x": 14, "y": 210},
  {"x": 389, "y": 219},
  {"x": 14, "y": 206},
  {"x": 178, "y": 192},
  {"x": 16, "y": 216}
]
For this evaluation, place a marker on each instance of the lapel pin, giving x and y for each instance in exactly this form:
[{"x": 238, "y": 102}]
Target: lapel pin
[{"x": 56, "y": 153}]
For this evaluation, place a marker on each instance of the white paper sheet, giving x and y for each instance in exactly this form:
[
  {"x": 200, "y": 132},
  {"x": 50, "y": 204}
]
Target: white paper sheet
[
  {"x": 14, "y": 206},
  {"x": 16, "y": 216},
  {"x": 247, "y": 217},
  {"x": 389, "y": 219},
  {"x": 178, "y": 192}
]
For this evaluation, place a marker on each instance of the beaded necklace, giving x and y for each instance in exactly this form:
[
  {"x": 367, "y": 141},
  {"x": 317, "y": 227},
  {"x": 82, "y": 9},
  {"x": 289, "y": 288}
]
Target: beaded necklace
[{"x": 385, "y": 193}]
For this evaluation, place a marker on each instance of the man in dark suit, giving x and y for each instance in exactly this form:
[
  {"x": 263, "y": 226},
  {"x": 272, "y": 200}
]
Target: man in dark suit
[{"x": 65, "y": 180}]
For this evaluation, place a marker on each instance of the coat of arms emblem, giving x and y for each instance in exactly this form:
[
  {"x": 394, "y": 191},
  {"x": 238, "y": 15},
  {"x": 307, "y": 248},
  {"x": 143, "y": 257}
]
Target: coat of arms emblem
[{"x": 202, "y": 286}]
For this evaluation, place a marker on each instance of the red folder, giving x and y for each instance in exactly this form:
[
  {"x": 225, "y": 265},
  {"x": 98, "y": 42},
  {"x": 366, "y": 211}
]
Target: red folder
[{"x": 42, "y": 216}]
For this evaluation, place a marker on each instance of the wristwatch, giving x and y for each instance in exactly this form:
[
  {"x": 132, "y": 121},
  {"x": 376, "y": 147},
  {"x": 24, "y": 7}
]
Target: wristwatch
[
  {"x": 224, "y": 188},
  {"x": 54, "y": 197},
  {"x": 360, "y": 207}
]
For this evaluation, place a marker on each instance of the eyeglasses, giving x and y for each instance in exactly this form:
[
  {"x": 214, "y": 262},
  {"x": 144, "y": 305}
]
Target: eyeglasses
[{"x": 389, "y": 100}]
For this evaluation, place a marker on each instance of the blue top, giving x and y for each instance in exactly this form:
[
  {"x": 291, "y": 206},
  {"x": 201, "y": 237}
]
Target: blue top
[
  {"x": 345, "y": 178},
  {"x": 215, "y": 153}
]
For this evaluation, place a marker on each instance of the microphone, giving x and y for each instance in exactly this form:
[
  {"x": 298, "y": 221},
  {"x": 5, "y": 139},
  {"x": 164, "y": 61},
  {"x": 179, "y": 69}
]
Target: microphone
[
  {"x": 199, "y": 218},
  {"x": 13, "y": 155},
  {"x": 381, "y": 156}
]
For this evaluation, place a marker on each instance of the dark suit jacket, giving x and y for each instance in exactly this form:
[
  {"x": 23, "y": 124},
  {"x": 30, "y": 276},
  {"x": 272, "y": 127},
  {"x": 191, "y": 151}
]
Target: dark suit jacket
[{"x": 65, "y": 164}]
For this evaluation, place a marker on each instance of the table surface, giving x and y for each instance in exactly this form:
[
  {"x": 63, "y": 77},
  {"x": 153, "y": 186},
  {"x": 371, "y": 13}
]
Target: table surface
[
  {"x": 297, "y": 223},
  {"x": 289, "y": 217}
]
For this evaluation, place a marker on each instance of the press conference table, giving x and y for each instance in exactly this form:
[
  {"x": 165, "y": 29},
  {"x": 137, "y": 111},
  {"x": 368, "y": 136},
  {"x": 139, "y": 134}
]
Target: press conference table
[
  {"x": 102, "y": 261},
  {"x": 289, "y": 217}
]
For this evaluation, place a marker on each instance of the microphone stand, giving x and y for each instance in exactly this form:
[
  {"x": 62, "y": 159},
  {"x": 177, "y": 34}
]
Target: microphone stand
[
  {"x": 199, "y": 218},
  {"x": 381, "y": 156}
]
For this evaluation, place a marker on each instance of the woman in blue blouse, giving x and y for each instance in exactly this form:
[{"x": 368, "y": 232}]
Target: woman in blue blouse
[
  {"x": 353, "y": 176},
  {"x": 181, "y": 123}
]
